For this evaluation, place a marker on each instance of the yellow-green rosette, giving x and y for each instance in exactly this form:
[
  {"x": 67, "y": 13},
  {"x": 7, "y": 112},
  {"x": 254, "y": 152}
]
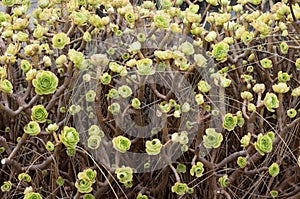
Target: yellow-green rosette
[
  {"x": 125, "y": 91},
  {"x": 3, "y": 73},
  {"x": 94, "y": 141},
  {"x": 271, "y": 102},
  {"x": 76, "y": 57},
  {"x": 121, "y": 143},
  {"x": 8, "y": 3},
  {"x": 161, "y": 21},
  {"x": 141, "y": 196},
  {"x": 144, "y": 67},
  {"x": 45, "y": 82},
  {"x": 105, "y": 78},
  {"x": 84, "y": 185},
  {"x": 39, "y": 114},
  {"x": 60, "y": 40},
  {"x": 136, "y": 103},
  {"x": 153, "y": 147},
  {"x": 281, "y": 88},
  {"x": 197, "y": 170},
  {"x": 203, "y": 86},
  {"x": 88, "y": 196},
  {"x": 49, "y": 146},
  {"x": 25, "y": 66},
  {"x": 6, "y": 86},
  {"x": 179, "y": 188},
  {"x": 266, "y": 63},
  {"x": 229, "y": 122},
  {"x": 242, "y": 162},
  {"x": 32, "y": 195},
  {"x": 223, "y": 181},
  {"x": 297, "y": 63},
  {"x": 124, "y": 174},
  {"x": 69, "y": 137},
  {"x": 90, "y": 96},
  {"x": 291, "y": 113},
  {"x": 274, "y": 169},
  {"x": 212, "y": 139},
  {"x": 89, "y": 173},
  {"x": 6, "y": 187},
  {"x": 24, "y": 177},
  {"x": 245, "y": 141},
  {"x": 220, "y": 51},
  {"x": 32, "y": 128},
  {"x": 263, "y": 144},
  {"x": 114, "y": 108}
]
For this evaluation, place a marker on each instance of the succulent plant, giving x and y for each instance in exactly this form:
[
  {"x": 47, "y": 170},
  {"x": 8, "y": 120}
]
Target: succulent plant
[
  {"x": 39, "y": 114},
  {"x": 271, "y": 101},
  {"x": 32, "y": 128},
  {"x": 60, "y": 40},
  {"x": 223, "y": 181},
  {"x": 45, "y": 82},
  {"x": 124, "y": 174},
  {"x": 197, "y": 170},
  {"x": 69, "y": 137},
  {"x": 6, "y": 186},
  {"x": 179, "y": 188},
  {"x": 274, "y": 169},
  {"x": 212, "y": 139},
  {"x": 263, "y": 144},
  {"x": 121, "y": 144},
  {"x": 24, "y": 177},
  {"x": 153, "y": 147},
  {"x": 229, "y": 121},
  {"x": 32, "y": 195}
]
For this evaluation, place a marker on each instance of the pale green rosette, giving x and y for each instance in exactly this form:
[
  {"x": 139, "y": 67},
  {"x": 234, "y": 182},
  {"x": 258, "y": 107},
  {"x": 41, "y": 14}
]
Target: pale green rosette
[
  {"x": 90, "y": 96},
  {"x": 242, "y": 162},
  {"x": 144, "y": 67},
  {"x": 229, "y": 122},
  {"x": 76, "y": 57},
  {"x": 32, "y": 128},
  {"x": 223, "y": 181},
  {"x": 114, "y": 108},
  {"x": 121, "y": 143},
  {"x": 197, "y": 169},
  {"x": 220, "y": 51},
  {"x": 263, "y": 144},
  {"x": 69, "y": 137},
  {"x": 274, "y": 169},
  {"x": 271, "y": 102},
  {"x": 203, "y": 86},
  {"x": 161, "y": 21},
  {"x": 6, "y": 187},
  {"x": 125, "y": 91},
  {"x": 94, "y": 141},
  {"x": 32, "y": 195},
  {"x": 212, "y": 139},
  {"x": 8, "y": 3},
  {"x": 45, "y": 83},
  {"x": 60, "y": 40},
  {"x": 153, "y": 147},
  {"x": 6, "y": 86},
  {"x": 141, "y": 196},
  {"x": 84, "y": 185},
  {"x": 88, "y": 196},
  {"x": 39, "y": 114},
  {"x": 24, "y": 177},
  {"x": 124, "y": 174},
  {"x": 179, "y": 188}
]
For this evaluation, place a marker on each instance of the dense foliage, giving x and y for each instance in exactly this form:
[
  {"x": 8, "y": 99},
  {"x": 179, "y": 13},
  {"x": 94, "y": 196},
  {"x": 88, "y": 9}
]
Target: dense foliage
[{"x": 165, "y": 99}]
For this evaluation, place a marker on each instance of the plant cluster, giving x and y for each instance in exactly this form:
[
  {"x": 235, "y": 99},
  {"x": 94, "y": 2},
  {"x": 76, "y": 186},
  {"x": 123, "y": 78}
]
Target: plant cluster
[{"x": 172, "y": 98}]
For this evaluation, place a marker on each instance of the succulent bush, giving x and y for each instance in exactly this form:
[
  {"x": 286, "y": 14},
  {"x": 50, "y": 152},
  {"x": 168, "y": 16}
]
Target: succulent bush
[{"x": 119, "y": 99}]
